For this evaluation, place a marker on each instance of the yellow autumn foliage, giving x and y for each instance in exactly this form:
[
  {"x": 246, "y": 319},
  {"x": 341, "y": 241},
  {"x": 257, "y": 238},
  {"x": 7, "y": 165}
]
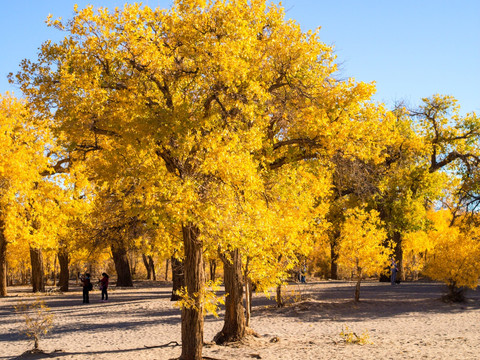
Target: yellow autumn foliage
[
  {"x": 455, "y": 257},
  {"x": 219, "y": 118},
  {"x": 362, "y": 248}
]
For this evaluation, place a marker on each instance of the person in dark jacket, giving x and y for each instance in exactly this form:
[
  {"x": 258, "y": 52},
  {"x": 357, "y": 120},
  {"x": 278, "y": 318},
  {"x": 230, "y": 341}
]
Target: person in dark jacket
[
  {"x": 104, "y": 286},
  {"x": 87, "y": 286},
  {"x": 393, "y": 270}
]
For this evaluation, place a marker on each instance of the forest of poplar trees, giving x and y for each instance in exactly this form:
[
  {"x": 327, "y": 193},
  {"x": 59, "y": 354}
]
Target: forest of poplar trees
[{"x": 218, "y": 133}]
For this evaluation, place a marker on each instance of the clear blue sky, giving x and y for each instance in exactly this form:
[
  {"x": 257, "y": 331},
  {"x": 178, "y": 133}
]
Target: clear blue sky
[{"x": 411, "y": 48}]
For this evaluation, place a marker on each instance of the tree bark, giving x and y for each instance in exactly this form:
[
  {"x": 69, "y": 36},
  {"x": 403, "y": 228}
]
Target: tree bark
[
  {"x": 213, "y": 269},
  {"x": 192, "y": 317},
  {"x": 24, "y": 274},
  {"x": 147, "y": 266},
  {"x": 63, "y": 260},
  {"x": 10, "y": 277},
  {"x": 3, "y": 262},
  {"x": 248, "y": 301},
  {"x": 178, "y": 278},
  {"x": 54, "y": 275},
  {"x": 357, "y": 290},
  {"x": 122, "y": 266},
  {"x": 279, "y": 298},
  {"x": 397, "y": 238},
  {"x": 38, "y": 276},
  {"x": 333, "y": 260},
  {"x": 152, "y": 267},
  {"x": 234, "y": 325},
  {"x": 455, "y": 294},
  {"x": 415, "y": 271},
  {"x": 248, "y": 294},
  {"x": 166, "y": 269}
]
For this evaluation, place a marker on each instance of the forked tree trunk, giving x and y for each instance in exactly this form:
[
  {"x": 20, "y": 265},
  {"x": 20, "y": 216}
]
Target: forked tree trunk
[
  {"x": 63, "y": 260},
  {"x": 3, "y": 263},
  {"x": 234, "y": 325},
  {"x": 122, "y": 266},
  {"x": 192, "y": 318},
  {"x": 147, "y": 267},
  {"x": 38, "y": 276},
  {"x": 178, "y": 278}
]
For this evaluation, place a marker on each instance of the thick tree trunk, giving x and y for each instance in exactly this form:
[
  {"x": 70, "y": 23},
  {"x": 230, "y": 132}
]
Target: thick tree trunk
[
  {"x": 333, "y": 261},
  {"x": 279, "y": 298},
  {"x": 359, "y": 280},
  {"x": 397, "y": 238},
  {"x": 3, "y": 263},
  {"x": 147, "y": 266},
  {"x": 38, "y": 271},
  {"x": 10, "y": 277},
  {"x": 192, "y": 318},
  {"x": 213, "y": 269},
  {"x": 455, "y": 294},
  {"x": 122, "y": 266},
  {"x": 63, "y": 260},
  {"x": 357, "y": 290},
  {"x": 178, "y": 278},
  {"x": 234, "y": 325}
]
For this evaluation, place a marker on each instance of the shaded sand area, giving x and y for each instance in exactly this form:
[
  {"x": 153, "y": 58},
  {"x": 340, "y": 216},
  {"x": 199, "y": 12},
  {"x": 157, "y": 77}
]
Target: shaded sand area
[{"x": 406, "y": 321}]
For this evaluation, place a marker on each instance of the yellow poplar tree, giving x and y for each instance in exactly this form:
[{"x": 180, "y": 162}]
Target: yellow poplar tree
[
  {"x": 74, "y": 200},
  {"x": 23, "y": 141},
  {"x": 455, "y": 257},
  {"x": 361, "y": 248},
  {"x": 211, "y": 95},
  {"x": 448, "y": 163}
]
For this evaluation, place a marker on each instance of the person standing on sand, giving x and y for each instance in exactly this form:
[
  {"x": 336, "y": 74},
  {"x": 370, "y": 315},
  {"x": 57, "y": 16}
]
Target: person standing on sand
[
  {"x": 104, "y": 286},
  {"x": 394, "y": 270},
  {"x": 87, "y": 286},
  {"x": 303, "y": 274}
]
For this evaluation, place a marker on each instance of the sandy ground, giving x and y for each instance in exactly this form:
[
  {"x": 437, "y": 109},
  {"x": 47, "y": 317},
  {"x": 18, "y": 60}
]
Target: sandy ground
[{"x": 407, "y": 321}]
